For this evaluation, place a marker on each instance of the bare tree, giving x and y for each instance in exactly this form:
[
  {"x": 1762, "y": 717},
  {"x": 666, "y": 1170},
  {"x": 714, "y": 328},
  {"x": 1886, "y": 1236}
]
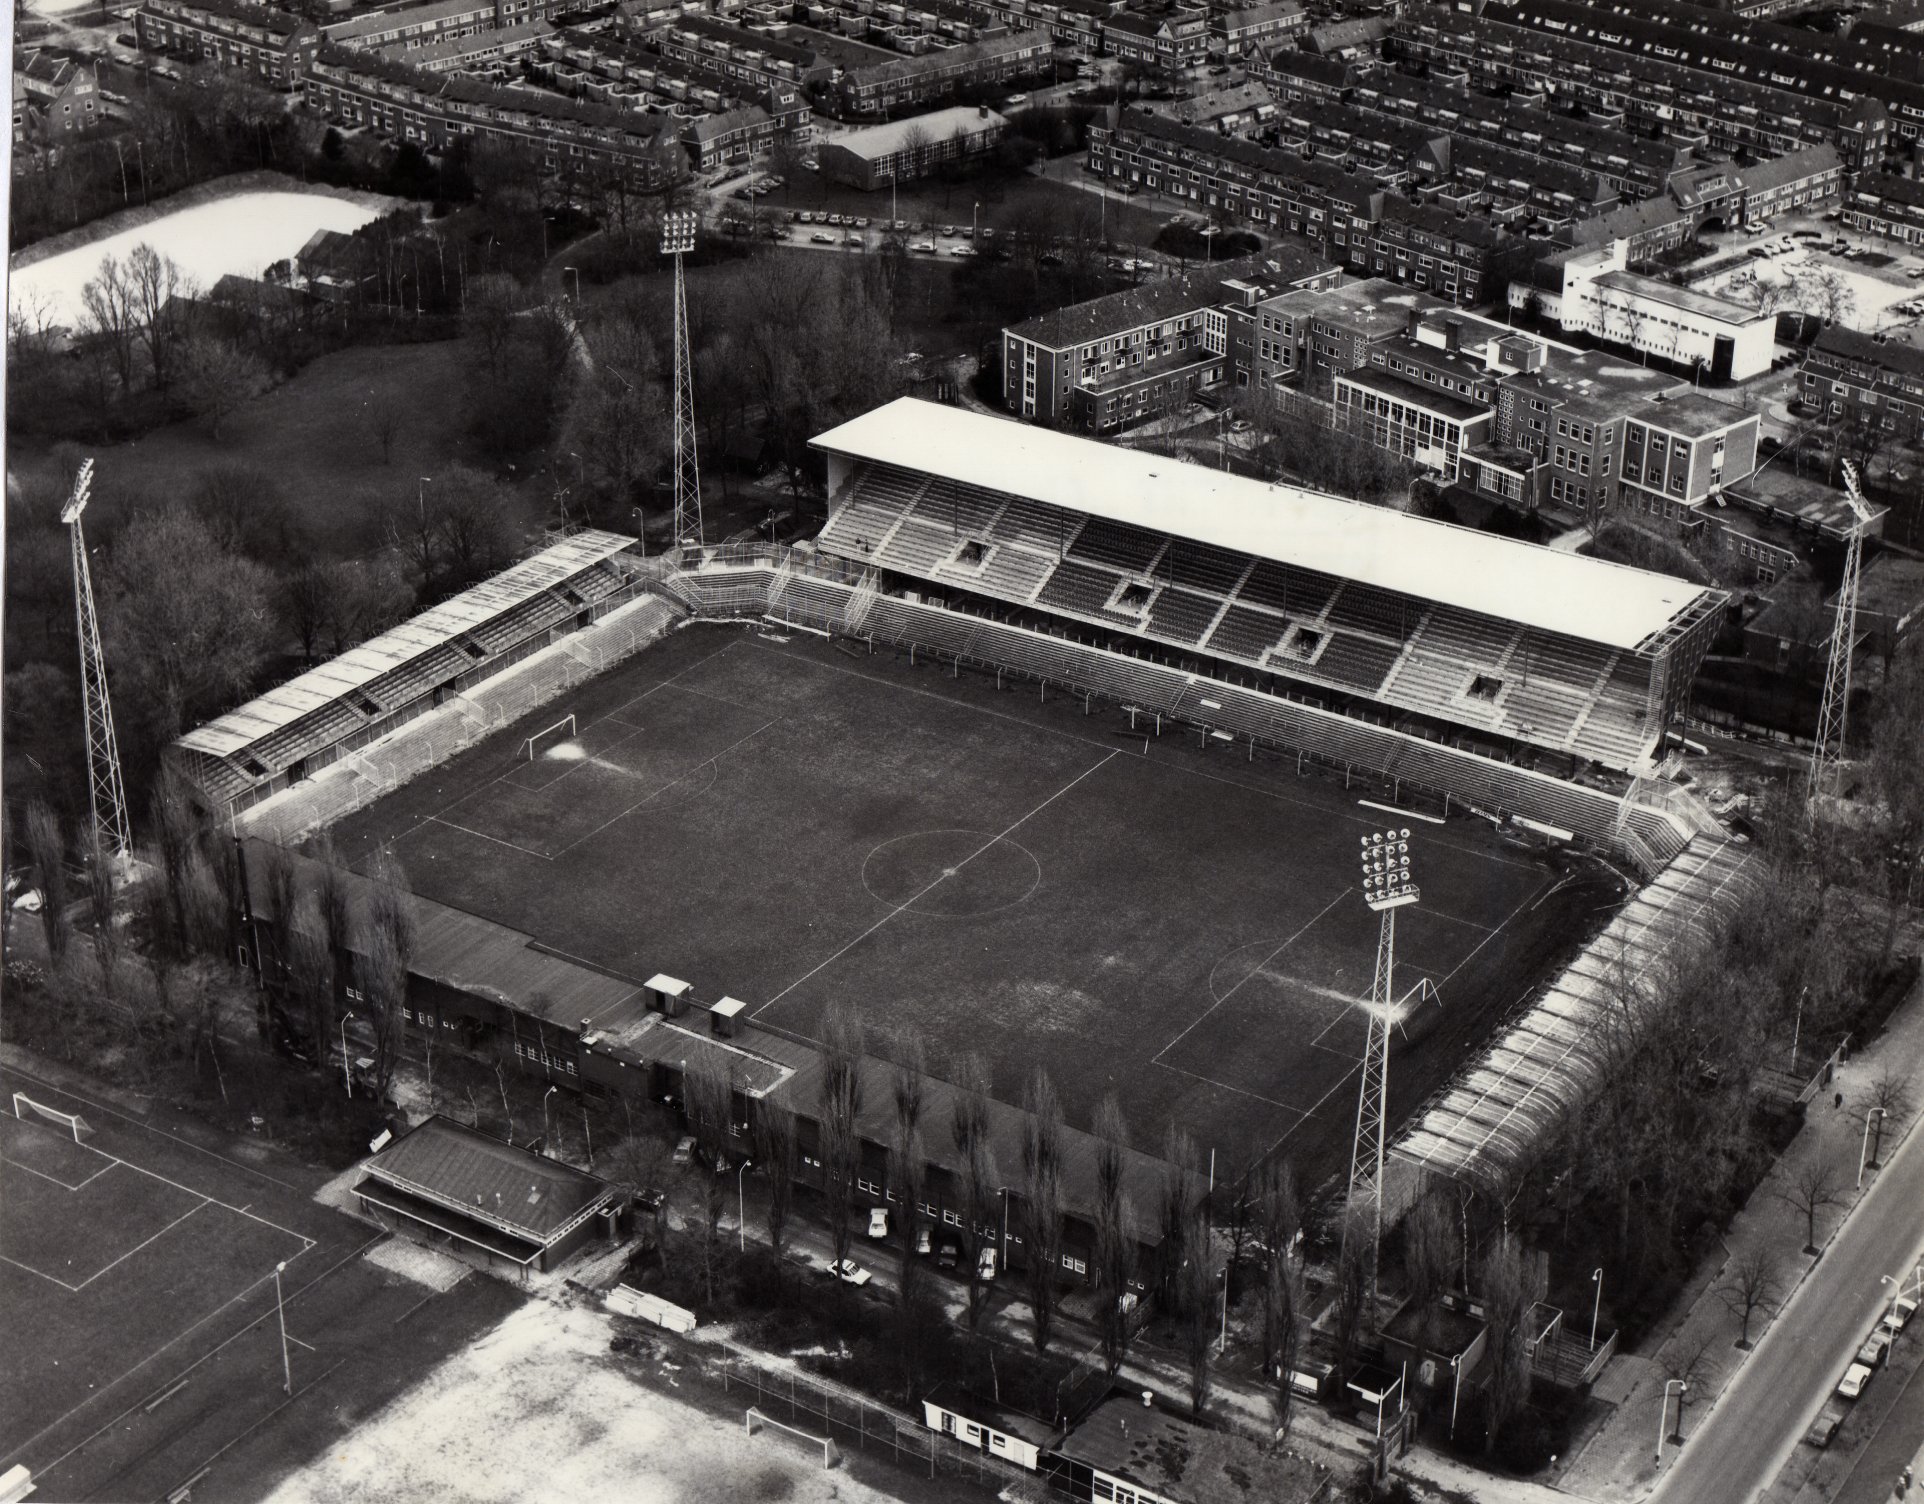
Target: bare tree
[
  {"x": 1512, "y": 1281},
  {"x": 1042, "y": 1198},
  {"x": 1688, "y": 1362},
  {"x": 908, "y": 1088},
  {"x": 1179, "y": 1193},
  {"x": 109, "y": 303},
  {"x": 1429, "y": 1256},
  {"x": 1199, "y": 1275},
  {"x": 1887, "y": 1097},
  {"x": 709, "y": 1093},
  {"x": 841, "y": 1111},
  {"x": 969, "y": 1131},
  {"x": 1282, "y": 1331},
  {"x": 155, "y": 286},
  {"x": 1751, "y": 1288},
  {"x": 1813, "y": 1187},
  {"x": 390, "y": 947},
  {"x": 47, "y": 846},
  {"x": 1351, "y": 1294},
  {"x": 1115, "y": 1237},
  {"x": 776, "y": 1151},
  {"x": 214, "y": 376},
  {"x": 102, "y": 892},
  {"x": 311, "y": 974}
]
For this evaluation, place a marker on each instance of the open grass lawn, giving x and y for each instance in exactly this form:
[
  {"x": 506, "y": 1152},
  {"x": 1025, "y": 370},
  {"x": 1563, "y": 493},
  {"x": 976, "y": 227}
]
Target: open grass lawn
[
  {"x": 315, "y": 437},
  {"x": 794, "y": 823}
]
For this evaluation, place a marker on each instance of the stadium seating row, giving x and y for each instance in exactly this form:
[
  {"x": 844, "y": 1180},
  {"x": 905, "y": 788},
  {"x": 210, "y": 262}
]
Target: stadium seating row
[{"x": 1551, "y": 690}]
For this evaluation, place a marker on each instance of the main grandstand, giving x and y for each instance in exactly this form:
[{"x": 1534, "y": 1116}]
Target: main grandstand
[
  {"x": 1287, "y": 591},
  {"x": 734, "y": 807}
]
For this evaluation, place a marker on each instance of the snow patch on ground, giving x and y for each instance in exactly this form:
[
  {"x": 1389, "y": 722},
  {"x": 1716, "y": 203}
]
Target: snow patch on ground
[
  {"x": 244, "y": 235},
  {"x": 538, "y": 1409},
  {"x": 425, "y": 1266}
]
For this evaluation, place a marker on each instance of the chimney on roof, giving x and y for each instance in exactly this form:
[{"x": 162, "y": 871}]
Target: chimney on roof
[
  {"x": 1415, "y": 322},
  {"x": 1453, "y": 335}
]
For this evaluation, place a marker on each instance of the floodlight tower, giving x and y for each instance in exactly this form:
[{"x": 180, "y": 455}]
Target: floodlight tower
[
  {"x": 107, "y": 795},
  {"x": 1835, "y": 710},
  {"x": 677, "y": 237},
  {"x": 1388, "y": 885}
]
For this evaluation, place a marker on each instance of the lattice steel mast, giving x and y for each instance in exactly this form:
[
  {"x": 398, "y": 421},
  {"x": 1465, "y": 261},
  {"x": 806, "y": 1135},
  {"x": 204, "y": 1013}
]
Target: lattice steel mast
[
  {"x": 1388, "y": 884},
  {"x": 678, "y": 236},
  {"x": 1833, "y": 715},
  {"x": 107, "y": 794}
]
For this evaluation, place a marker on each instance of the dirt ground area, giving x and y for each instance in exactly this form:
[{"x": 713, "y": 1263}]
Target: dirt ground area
[{"x": 581, "y": 1428}]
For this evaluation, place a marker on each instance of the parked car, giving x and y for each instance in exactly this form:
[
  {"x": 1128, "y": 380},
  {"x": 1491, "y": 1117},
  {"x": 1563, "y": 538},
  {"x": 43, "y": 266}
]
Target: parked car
[
  {"x": 821, "y": 237},
  {"x": 927, "y": 246},
  {"x": 985, "y": 1264},
  {"x": 850, "y": 1273},
  {"x": 852, "y": 238},
  {"x": 1822, "y": 1430},
  {"x": 878, "y": 1222},
  {"x": 961, "y": 250},
  {"x": 1875, "y": 1348},
  {"x": 685, "y": 1150},
  {"x": 127, "y": 39},
  {"x": 1899, "y": 1315},
  {"x": 1852, "y": 1384},
  {"x": 924, "y": 1241},
  {"x": 648, "y": 1199},
  {"x": 949, "y": 1254}
]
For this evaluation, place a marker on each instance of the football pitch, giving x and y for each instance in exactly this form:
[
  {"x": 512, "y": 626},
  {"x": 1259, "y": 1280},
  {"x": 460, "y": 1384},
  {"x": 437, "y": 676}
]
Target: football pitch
[{"x": 793, "y": 822}]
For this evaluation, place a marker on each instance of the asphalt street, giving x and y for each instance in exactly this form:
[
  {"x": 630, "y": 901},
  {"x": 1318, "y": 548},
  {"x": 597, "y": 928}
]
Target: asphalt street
[{"x": 1760, "y": 1418}]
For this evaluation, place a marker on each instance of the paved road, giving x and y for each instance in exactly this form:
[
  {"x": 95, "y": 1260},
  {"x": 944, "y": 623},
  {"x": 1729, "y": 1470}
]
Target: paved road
[{"x": 1760, "y": 1419}]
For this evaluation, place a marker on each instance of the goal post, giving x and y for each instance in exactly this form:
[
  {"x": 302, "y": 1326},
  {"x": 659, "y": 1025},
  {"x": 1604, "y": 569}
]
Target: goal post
[
  {"x": 753, "y": 1420},
  {"x": 562, "y": 730},
  {"x": 30, "y": 1111}
]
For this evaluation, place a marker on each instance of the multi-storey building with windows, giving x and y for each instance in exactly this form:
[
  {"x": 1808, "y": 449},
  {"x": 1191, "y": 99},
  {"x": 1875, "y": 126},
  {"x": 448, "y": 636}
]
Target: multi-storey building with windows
[
  {"x": 269, "y": 46},
  {"x": 753, "y": 59},
  {"x": 1591, "y": 292},
  {"x": 1661, "y": 81},
  {"x": 1177, "y": 38},
  {"x": 1119, "y": 360},
  {"x": 1256, "y": 27},
  {"x": 416, "y": 26},
  {"x": 56, "y": 98},
  {"x": 880, "y": 87},
  {"x": 432, "y": 110},
  {"x": 1881, "y": 203},
  {"x": 1860, "y": 379},
  {"x": 1344, "y": 215},
  {"x": 736, "y": 135},
  {"x": 901, "y": 151}
]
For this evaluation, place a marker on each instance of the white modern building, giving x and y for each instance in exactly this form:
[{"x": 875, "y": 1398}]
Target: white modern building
[{"x": 1593, "y": 292}]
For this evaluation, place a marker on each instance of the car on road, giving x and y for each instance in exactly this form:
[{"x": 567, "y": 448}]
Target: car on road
[
  {"x": 1852, "y": 1384},
  {"x": 927, "y": 246},
  {"x": 961, "y": 250},
  {"x": 948, "y": 1254},
  {"x": 1822, "y": 1430},
  {"x": 861, "y": 223},
  {"x": 685, "y": 1150},
  {"x": 878, "y": 1222},
  {"x": 821, "y": 237},
  {"x": 852, "y": 238},
  {"x": 1875, "y": 1349},
  {"x": 1241, "y": 425},
  {"x": 948, "y": 230},
  {"x": 1899, "y": 1315},
  {"x": 985, "y": 1264},
  {"x": 850, "y": 1273}
]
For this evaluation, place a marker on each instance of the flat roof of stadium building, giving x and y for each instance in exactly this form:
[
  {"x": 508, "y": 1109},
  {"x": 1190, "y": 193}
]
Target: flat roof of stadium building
[
  {"x": 432, "y": 628},
  {"x": 1588, "y": 599}
]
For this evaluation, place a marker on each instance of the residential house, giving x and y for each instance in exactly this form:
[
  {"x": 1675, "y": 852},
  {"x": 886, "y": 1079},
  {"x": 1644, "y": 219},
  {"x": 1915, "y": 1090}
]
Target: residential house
[
  {"x": 271, "y": 47},
  {"x": 1864, "y": 380}
]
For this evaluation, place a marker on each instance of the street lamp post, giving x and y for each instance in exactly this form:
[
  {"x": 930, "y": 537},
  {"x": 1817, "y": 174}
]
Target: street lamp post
[
  {"x": 1456, "y": 1391},
  {"x": 1864, "y": 1158},
  {"x": 1596, "y": 1306},
  {"x": 280, "y": 1310},
  {"x": 1222, "y": 1338},
  {"x": 546, "y": 1147},
  {"x": 741, "y": 1206},
  {"x": 1797, "y": 1029},
  {"x": 1679, "y": 1385},
  {"x": 347, "y": 1070}
]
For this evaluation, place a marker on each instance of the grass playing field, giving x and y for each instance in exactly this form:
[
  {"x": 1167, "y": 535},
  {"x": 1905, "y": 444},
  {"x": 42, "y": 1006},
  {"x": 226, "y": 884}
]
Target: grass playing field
[{"x": 796, "y": 822}]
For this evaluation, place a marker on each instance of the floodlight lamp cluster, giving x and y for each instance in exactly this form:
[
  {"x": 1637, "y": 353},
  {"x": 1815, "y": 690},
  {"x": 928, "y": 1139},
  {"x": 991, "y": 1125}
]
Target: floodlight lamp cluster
[
  {"x": 678, "y": 232},
  {"x": 1388, "y": 882}
]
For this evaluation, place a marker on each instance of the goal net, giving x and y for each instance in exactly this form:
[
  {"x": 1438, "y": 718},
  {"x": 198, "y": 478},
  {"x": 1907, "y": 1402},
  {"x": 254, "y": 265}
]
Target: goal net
[
  {"x": 753, "y": 1420},
  {"x": 30, "y": 1111},
  {"x": 548, "y": 738}
]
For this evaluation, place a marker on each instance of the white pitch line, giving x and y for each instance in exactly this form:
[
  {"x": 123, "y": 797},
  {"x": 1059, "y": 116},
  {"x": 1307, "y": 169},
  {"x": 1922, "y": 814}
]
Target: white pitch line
[
  {"x": 914, "y": 898},
  {"x": 205, "y": 1201},
  {"x": 39, "y": 1274}
]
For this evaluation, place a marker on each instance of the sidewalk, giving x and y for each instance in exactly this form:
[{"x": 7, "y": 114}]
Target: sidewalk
[{"x": 1618, "y": 1463}]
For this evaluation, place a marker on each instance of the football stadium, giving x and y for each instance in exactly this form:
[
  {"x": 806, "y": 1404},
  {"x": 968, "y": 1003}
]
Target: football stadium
[{"x": 1045, "y": 751}]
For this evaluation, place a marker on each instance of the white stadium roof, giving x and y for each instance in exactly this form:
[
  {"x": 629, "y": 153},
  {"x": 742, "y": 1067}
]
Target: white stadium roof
[
  {"x": 1455, "y": 566},
  {"x": 433, "y": 628}
]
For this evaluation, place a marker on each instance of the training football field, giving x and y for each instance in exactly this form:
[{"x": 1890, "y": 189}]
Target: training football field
[{"x": 791, "y": 822}]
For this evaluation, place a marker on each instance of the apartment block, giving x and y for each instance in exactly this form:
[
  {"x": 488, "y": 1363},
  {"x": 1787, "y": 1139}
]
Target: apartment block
[
  {"x": 270, "y": 46},
  {"x": 1863, "y": 379}
]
